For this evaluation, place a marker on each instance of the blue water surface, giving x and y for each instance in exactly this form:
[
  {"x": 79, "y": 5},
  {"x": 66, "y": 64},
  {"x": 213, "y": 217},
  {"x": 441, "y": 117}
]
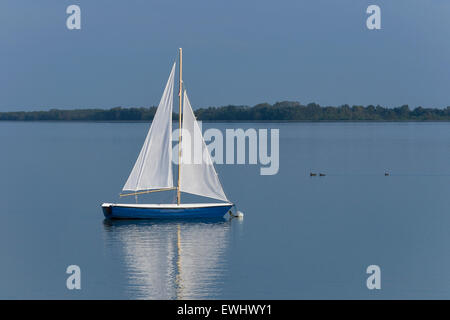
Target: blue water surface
[{"x": 301, "y": 237}]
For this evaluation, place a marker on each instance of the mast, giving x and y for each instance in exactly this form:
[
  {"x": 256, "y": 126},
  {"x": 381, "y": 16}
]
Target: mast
[{"x": 179, "y": 122}]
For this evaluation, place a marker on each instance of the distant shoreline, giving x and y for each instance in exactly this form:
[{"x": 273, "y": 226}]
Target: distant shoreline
[
  {"x": 286, "y": 111},
  {"x": 234, "y": 121}
]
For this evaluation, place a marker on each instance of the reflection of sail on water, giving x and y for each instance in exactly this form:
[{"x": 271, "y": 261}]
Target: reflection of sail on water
[
  {"x": 147, "y": 255},
  {"x": 172, "y": 260},
  {"x": 201, "y": 262}
]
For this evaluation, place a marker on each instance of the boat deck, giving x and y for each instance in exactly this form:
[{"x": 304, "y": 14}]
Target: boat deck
[{"x": 167, "y": 205}]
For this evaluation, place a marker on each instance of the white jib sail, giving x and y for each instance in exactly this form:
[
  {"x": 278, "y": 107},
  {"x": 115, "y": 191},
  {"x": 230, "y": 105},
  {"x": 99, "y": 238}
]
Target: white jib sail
[
  {"x": 153, "y": 167},
  {"x": 198, "y": 175}
]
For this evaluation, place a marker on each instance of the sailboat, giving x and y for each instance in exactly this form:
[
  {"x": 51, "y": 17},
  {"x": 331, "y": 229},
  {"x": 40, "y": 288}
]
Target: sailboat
[{"x": 152, "y": 171}]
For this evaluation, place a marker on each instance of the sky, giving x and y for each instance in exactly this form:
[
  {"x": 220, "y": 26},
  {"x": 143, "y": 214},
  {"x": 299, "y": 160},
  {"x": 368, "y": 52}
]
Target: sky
[{"x": 235, "y": 52}]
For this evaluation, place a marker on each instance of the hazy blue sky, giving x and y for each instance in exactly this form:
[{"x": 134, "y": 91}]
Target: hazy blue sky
[{"x": 235, "y": 52}]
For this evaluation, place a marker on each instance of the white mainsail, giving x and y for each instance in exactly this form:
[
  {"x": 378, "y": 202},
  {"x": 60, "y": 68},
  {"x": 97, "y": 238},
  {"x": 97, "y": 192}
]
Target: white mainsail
[
  {"x": 197, "y": 173},
  {"x": 153, "y": 167}
]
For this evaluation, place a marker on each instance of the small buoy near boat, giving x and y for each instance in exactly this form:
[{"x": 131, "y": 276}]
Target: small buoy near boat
[
  {"x": 238, "y": 214},
  {"x": 322, "y": 174}
]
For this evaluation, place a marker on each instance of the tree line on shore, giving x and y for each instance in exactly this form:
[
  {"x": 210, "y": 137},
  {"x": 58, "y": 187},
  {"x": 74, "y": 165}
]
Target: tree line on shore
[{"x": 280, "y": 111}]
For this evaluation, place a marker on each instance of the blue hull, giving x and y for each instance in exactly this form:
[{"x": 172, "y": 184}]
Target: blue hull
[{"x": 124, "y": 212}]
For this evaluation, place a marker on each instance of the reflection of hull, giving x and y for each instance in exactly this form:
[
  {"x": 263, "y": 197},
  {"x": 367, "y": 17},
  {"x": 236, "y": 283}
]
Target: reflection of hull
[{"x": 165, "y": 211}]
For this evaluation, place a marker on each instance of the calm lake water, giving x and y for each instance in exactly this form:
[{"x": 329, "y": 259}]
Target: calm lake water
[{"x": 301, "y": 237}]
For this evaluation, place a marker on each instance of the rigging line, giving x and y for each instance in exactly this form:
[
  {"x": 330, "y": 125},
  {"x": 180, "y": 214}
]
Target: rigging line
[
  {"x": 180, "y": 123},
  {"x": 144, "y": 192}
]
